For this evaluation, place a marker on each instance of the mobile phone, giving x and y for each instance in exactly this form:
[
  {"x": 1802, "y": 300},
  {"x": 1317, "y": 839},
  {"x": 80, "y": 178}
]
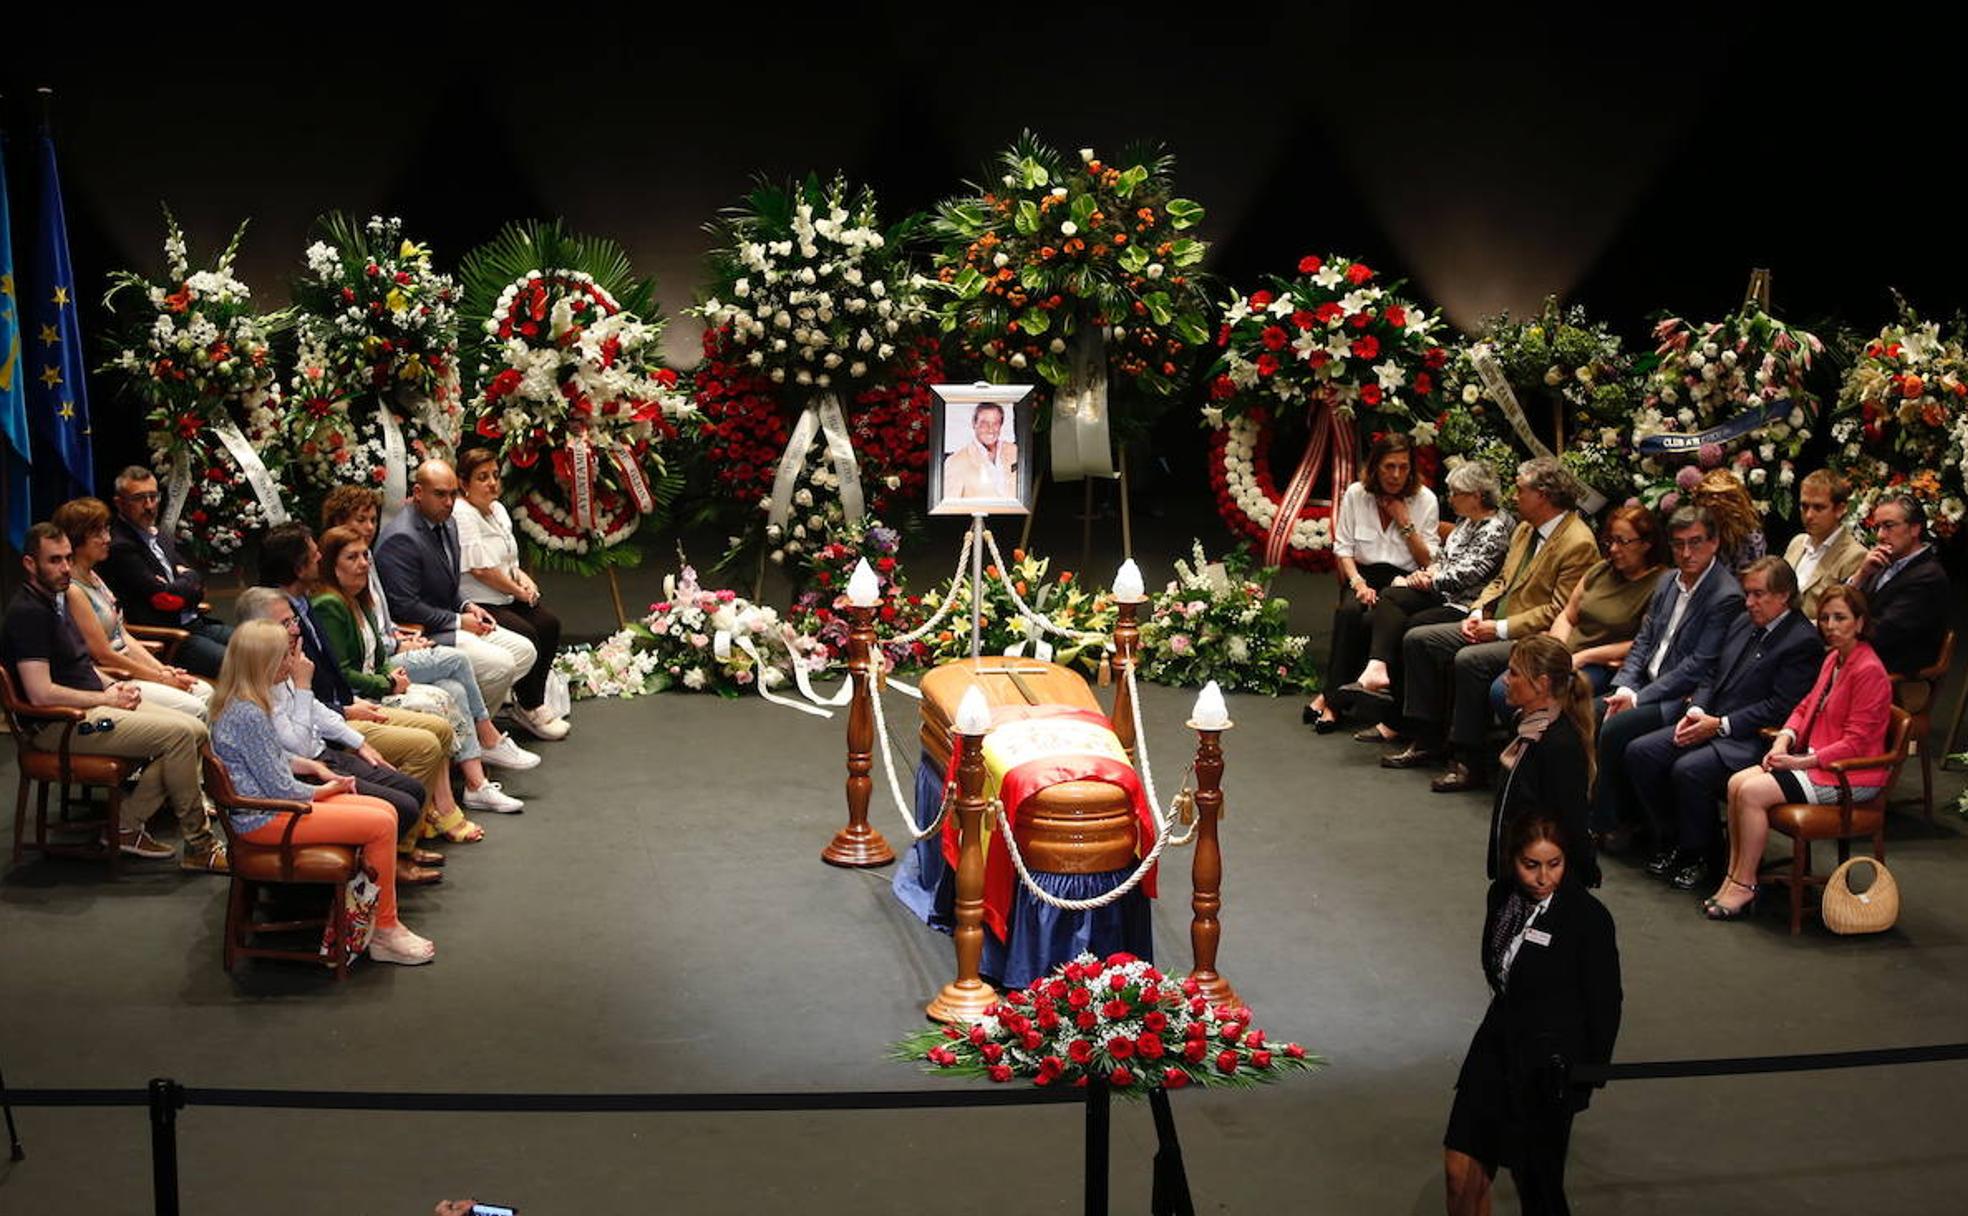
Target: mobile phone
[{"x": 492, "y": 1209}]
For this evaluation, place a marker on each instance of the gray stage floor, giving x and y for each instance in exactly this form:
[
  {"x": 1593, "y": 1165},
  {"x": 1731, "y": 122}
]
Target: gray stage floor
[{"x": 659, "y": 920}]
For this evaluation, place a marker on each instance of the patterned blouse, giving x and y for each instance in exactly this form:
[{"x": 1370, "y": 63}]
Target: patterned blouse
[
  {"x": 109, "y": 613},
  {"x": 1471, "y": 556},
  {"x": 244, "y": 739}
]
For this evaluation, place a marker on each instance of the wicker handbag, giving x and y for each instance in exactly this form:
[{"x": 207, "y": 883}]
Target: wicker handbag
[{"x": 1861, "y": 897}]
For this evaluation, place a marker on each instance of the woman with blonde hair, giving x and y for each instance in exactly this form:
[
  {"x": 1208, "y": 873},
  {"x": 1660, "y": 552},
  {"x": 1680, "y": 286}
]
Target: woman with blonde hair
[
  {"x": 1738, "y": 526},
  {"x": 1549, "y": 763},
  {"x": 99, "y": 618},
  {"x": 258, "y": 657}
]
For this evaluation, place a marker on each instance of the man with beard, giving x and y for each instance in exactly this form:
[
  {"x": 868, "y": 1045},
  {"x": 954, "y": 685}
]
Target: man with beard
[{"x": 154, "y": 584}]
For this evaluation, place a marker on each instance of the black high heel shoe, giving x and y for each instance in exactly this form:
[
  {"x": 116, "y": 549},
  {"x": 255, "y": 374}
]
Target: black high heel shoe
[{"x": 1312, "y": 717}]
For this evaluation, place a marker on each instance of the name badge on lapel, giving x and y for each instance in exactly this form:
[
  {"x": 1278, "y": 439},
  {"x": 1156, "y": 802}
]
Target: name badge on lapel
[{"x": 1537, "y": 937}]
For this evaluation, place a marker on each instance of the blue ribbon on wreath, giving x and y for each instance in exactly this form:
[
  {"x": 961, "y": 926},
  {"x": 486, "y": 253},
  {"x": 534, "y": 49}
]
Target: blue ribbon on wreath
[{"x": 1754, "y": 418}]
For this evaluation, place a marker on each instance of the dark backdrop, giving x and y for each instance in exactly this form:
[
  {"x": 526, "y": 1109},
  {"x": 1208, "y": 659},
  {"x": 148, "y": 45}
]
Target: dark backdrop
[{"x": 1630, "y": 162}]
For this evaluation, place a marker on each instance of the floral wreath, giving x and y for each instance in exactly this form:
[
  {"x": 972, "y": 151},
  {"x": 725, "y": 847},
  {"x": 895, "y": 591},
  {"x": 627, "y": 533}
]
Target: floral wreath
[
  {"x": 1314, "y": 352},
  {"x": 815, "y": 383},
  {"x": 1906, "y": 396},
  {"x": 1055, "y": 262},
  {"x": 375, "y": 388},
  {"x": 196, "y": 355},
  {"x": 572, "y": 392},
  {"x": 1731, "y": 385}
]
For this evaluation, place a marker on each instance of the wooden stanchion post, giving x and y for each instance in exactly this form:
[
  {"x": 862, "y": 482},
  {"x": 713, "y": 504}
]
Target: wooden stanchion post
[
  {"x": 1206, "y": 873},
  {"x": 965, "y": 998},
  {"x": 859, "y": 845},
  {"x": 1127, "y": 645}
]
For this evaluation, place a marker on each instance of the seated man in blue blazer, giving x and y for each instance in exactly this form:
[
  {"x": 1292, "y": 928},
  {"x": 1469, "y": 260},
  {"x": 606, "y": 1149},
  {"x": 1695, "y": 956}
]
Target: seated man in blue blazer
[
  {"x": 1673, "y": 652},
  {"x": 1906, "y": 588},
  {"x": 1769, "y": 659},
  {"x": 416, "y": 556}
]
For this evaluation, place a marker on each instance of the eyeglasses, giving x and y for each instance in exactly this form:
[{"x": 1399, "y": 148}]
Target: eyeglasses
[
  {"x": 146, "y": 496},
  {"x": 1889, "y": 525},
  {"x": 103, "y": 725},
  {"x": 1690, "y": 544},
  {"x": 1621, "y": 542}
]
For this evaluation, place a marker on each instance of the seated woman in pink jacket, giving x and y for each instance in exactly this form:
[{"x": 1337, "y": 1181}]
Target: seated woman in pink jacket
[{"x": 1845, "y": 715}]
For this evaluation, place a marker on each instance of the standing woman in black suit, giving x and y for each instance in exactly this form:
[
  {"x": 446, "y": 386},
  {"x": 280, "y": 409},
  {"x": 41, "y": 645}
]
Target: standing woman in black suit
[
  {"x": 1552, "y": 961},
  {"x": 1549, "y": 763}
]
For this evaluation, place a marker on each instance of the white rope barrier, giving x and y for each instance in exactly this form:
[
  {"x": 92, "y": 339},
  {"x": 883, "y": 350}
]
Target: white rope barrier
[
  {"x": 1026, "y": 611},
  {"x": 894, "y": 783}
]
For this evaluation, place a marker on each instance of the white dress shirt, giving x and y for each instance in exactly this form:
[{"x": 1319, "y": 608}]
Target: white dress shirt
[
  {"x": 1359, "y": 534},
  {"x": 1684, "y": 592},
  {"x": 1516, "y": 943}
]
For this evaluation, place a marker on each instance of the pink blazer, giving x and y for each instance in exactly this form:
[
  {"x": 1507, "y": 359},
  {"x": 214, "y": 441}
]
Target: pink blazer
[{"x": 1854, "y": 719}]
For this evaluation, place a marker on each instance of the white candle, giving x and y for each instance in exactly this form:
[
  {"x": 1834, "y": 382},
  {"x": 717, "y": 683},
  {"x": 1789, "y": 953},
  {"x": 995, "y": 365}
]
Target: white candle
[
  {"x": 863, "y": 588},
  {"x": 1210, "y": 712},
  {"x": 1128, "y": 586},
  {"x": 973, "y": 713}
]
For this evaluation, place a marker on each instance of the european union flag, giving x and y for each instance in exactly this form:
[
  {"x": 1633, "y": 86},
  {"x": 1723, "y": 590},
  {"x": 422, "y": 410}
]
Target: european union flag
[
  {"x": 13, "y": 390},
  {"x": 57, "y": 394}
]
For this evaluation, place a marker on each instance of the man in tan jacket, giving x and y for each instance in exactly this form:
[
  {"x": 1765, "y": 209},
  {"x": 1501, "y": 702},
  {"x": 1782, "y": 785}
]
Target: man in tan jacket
[
  {"x": 1449, "y": 666},
  {"x": 1825, "y": 553},
  {"x": 986, "y": 468}
]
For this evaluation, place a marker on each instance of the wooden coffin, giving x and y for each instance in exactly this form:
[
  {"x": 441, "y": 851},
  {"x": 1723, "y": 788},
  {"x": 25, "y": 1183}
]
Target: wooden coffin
[{"x": 1076, "y": 827}]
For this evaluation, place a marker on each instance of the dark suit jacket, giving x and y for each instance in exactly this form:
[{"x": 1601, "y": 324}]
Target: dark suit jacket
[
  {"x": 419, "y": 569},
  {"x": 150, "y": 594},
  {"x": 1758, "y": 689},
  {"x": 1562, "y": 998},
  {"x": 1551, "y": 775},
  {"x": 1910, "y": 614},
  {"x": 330, "y": 687},
  {"x": 1691, "y": 652}
]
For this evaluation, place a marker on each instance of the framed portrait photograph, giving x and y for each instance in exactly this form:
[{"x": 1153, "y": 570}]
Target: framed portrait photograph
[{"x": 981, "y": 463}]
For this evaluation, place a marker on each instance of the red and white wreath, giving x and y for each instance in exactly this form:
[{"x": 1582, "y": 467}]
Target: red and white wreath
[{"x": 1247, "y": 496}]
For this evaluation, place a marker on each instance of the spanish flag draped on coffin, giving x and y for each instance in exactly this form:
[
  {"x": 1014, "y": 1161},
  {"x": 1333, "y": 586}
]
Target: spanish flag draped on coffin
[{"x": 1077, "y": 809}]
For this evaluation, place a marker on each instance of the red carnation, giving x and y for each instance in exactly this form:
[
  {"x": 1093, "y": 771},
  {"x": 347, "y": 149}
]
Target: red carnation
[
  {"x": 1223, "y": 336},
  {"x": 1189, "y": 986},
  {"x": 1231, "y": 1032},
  {"x": 1309, "y": 264},
  {"x": 1050, "y": 1067},
  {"x": 992, "y": 1052},
  {"x": 1226, "y": 1062},
  {"x": 1222, "y": 387},
  {"x": 1120, "y": 1047},
  {"x": 1085, "y": 1019},
  {"x": 1156, "y": 1021},
  {"x": 1261, "y": 299},
  {"x": 1295, "y": 1051},
  {"x": 1304, "y": 319},
  {"x": 1360, "y": 320},
  {"x": 1435, "y": 357},
  {"x": 1370, "y": 394},
  {"x": 1030, "y": 1040},
  {"x": 1424, "y": 384},
  {"x": 1261, "y": 1059},
  {"x": 998, "y": 1072},
  {"x": 1174, "y": 1078},
  {"x": 1267, "y": 365},
  {"x": 1120, "y": 1078},
  {"x": 1150, "y": 1046},
  {"x": 1274, "y": 337},
  {"x": 1079, "y": 998},
  {"x": 1079, "y": 1051},
  {"x": 1367, "y": 347},
  {"x": 1117, "y": 981},
  {"x": 1319, "y": 357},
  {"x": 1115, "y": 1009},
  {"x": 1194, "y": 1051},
  {"x": 1358, "y": 273},
  {"x": 1329, "y": 312}
]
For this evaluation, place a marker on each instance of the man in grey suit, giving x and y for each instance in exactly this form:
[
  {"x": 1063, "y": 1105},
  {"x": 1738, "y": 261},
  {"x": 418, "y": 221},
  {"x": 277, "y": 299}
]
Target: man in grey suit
[
  {"x": 1673, "y": 652},
  {"x": 417, "y": 561},
  {"x": 1768, "y": 661}
]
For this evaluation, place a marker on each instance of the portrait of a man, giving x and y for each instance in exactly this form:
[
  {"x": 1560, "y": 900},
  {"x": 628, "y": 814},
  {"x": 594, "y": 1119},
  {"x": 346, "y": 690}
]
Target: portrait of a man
[
  {"x": 987, "y": 466},
  {"x": 981, "y": 437}
]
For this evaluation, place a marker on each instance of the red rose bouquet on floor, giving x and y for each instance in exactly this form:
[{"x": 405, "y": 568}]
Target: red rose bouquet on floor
[{"x": 1120, "y": 1020}]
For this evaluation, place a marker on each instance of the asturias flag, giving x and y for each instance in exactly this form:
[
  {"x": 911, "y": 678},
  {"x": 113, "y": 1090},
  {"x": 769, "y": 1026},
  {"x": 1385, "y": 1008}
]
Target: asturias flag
[
  {"x": 57, "y": 394},
  {"x": 14, "y": 446}
]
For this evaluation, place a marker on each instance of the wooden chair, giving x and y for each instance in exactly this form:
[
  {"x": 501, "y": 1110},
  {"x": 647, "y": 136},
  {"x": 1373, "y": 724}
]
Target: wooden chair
[
  {"x": 1805, "y": 822},
  {"x": 256, "y": 867},
  {"x": 1916, "y": 694},
  {"x": 42, "y": 769},
  {"x": 161, "y": 640}
]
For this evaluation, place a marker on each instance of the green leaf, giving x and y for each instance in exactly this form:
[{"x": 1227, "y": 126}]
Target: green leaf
[
  {"x": 1083, "y": 208},
  {"x": 1131, "y": 180},
  {"x": 968, "y": 283},
  {"x": 1183, "y": 213},
  {"x": 1160, "y": 309},
  {"x": 1027, "y": 220},
  {"x": 1190, "y": 328},
  {"x": 1035, "y": 321},
  {"x": 1134, "y": 259},
  {"x": 1052, "y": 369},
  {"x": 1034, "y": 173},
  {"x": 1188, "y": 251}
]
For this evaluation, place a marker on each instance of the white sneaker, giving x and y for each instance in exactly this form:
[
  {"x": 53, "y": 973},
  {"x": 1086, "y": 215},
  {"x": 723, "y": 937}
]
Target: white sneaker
[
  {"x": 489, "y": 797},
  {"x": 507, "y": 754},
  {"x": 540, "y": 723}
]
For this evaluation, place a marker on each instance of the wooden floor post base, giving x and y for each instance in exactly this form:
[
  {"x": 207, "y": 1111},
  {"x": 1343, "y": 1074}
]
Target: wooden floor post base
[{"x": 858, "y": 845}]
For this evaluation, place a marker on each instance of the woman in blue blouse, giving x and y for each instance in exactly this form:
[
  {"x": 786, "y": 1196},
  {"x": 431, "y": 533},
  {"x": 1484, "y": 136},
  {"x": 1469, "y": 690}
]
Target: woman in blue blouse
[{"x": 244, "y": 739}]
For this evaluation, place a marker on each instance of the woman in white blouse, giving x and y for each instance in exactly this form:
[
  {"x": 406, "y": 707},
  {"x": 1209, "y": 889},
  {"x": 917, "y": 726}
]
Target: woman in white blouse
[
  {"x": 1383, "y": 528},
  {"x": 489, "y": 576}
]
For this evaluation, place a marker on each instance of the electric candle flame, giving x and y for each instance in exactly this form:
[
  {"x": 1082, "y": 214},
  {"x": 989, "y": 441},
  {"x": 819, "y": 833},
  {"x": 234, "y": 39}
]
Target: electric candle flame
[
  {"x": 863, "y": 588},
  {"x": 1127, "y": 583},
  {"x": 973, "y": 713},
  {"x": 1210, "y": 712}
]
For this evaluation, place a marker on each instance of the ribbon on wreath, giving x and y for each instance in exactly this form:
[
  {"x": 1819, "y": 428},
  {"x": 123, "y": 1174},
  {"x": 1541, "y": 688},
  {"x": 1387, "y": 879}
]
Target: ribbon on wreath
[
  {"x": 1753, "y": 418},
  {"x": 1081, "y": 446},
  {"x": 581, "y": 477},
  {"x": 825, "y": 418},
  {"x": 632, "y": 478},
  {"x": 1332, "y": 434},
  {"x": 177, "y": 491},
  {"x": 264, "y": 487},
  {"x": 1490, "y": 372},
  {"x": 396, "y": 459}
]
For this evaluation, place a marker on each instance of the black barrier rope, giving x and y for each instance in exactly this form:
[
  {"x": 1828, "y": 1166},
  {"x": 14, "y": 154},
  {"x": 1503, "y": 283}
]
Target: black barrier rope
[{"x": 1743, "y": 1065}]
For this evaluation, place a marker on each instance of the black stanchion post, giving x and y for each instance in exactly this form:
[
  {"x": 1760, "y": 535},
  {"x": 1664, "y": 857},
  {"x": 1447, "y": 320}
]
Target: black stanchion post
[
  {"x": 14, "y": 1149},
  {"x": 1097, "y": 1098},
  {"x": 166, "y": 1100},
  {"x": 1171, "y": 1194}
]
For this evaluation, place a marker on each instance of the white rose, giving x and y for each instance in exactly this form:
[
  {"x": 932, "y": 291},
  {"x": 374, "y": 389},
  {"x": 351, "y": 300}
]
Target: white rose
[
  {"x": 1155, "y": 270},
  {"x": 1086, "y": 156},
  {"x": 1470, "y": 394},
  {"x": 1553, "y": 376},
  {"x": 1000, "y": 260},
  {"x": 1057, "y": 346},
  {"x": 1068, "y": 228},
  {"x": 1018, "y": 360},
  {"x": 857, "y": 368}
]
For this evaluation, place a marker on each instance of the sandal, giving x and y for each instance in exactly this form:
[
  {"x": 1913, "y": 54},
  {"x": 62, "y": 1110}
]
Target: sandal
[
  {"x": 466, "y": 832},
  {"x": 1715, "y": 909}
]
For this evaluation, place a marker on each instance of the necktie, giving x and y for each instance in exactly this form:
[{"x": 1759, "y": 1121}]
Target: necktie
[
  {"x": 1517, "y": 575},
  {"x": 1510, "y": 921}
]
